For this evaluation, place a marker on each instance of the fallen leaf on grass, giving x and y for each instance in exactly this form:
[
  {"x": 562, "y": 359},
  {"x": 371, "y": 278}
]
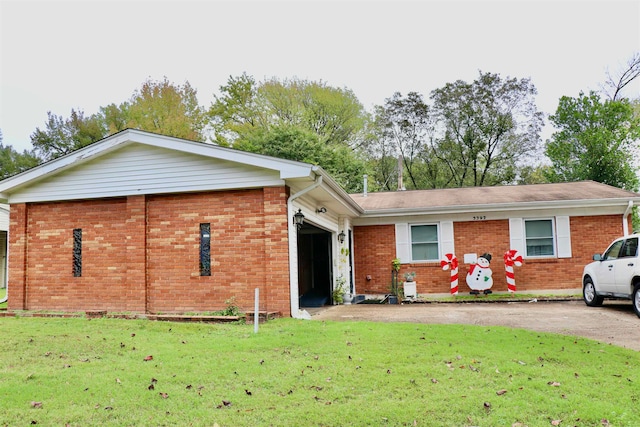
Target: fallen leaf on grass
[
  {"x": 225, "y": 403},
  {"x": 556, "y": 422},
  {"x": 151, "y": 387},
  {"x": 554, "y": 383},
  {"x": 164, "y": 395},
  {"x": 148, "y": 358},
  {"x": 248, "y": 393},
  {"x": 487, "y": 406},
  {"x": 36, "y": 404},
  {"x": 501, "y": 392},
  {"x": 433, "y": 380}
]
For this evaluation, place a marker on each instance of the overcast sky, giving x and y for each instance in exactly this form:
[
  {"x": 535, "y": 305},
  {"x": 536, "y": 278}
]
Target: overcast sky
[{"x": 58, "y": 55}]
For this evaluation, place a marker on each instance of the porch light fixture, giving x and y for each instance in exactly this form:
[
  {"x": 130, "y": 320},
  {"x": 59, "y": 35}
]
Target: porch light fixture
[
  {"x": 341, "y": 237},
  {"x": 298, "y": 218}
]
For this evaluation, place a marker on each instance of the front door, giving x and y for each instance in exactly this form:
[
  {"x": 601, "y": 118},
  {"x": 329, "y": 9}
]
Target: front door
[{"x": 314, "y": 266}]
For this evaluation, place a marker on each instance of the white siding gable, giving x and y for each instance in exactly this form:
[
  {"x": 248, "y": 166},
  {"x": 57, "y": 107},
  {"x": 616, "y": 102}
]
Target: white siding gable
[{"x": 143, "y": 169}]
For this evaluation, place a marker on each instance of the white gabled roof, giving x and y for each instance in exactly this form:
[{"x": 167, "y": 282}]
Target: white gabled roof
[
  {"x": 285, "y": 168},
  {"x": 138, "y": 162}
]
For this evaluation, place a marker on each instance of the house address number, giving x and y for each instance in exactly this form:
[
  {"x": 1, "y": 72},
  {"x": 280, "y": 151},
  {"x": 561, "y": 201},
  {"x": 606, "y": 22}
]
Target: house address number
[{"x": 479, "y": 218}]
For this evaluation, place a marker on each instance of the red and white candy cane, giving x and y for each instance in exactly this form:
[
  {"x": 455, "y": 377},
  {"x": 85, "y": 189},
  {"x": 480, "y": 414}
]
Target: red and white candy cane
[
  {"x": 450, "y": 261},
  {"x": 511, "y": 258}
]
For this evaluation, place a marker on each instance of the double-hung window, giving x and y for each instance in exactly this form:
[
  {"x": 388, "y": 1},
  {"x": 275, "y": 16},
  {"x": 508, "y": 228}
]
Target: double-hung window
[
  {"x": 424, "y": 242},
  {"x": 539, "y": 237}
]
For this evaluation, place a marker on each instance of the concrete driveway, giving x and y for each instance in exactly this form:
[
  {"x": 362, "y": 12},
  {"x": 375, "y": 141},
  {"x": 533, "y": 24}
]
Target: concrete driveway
[{"x": 613, "y": 323}]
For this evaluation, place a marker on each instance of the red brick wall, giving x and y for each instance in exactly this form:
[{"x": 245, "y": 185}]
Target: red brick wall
[
  {"x": 375, "y": 248},
  {"x": 241, "y": 234},
  {"x": 141, "y": 254},
  {"x": 47, "y": 280}
]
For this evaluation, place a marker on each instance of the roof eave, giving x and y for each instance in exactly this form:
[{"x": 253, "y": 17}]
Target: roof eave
[{"x": 501, "y": 207}]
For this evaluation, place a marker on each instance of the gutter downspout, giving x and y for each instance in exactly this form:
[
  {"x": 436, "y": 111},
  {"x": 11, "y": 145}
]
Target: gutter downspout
[
  {"x": 625, "y": 223},
  {"x": 293, "y": 248}
]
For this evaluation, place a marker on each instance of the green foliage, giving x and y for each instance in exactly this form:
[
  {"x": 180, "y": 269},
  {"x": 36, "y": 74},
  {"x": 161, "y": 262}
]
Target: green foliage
[
  {"x": 294, "y": 143},
  {"x": 595, "y": 141},
  {"x": 246, "y": 106},
  {"x": 292, "y": 373},
  {"x": 473, "y": 134},
  {"x": 490, "y": 127},
  {"x": 159, "y": 107},
  {"x": 62, "y": 136},
  {"x": 12, "y": 162},
  {"x": 231, "y": 308},
  {"x": 293, "y": 119}
]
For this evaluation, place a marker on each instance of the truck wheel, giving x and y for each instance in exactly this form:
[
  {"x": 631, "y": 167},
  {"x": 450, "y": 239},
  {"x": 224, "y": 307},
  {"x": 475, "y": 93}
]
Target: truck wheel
[
  {"x": 589, "y": 294},
  {"x": 636, "y": 299}
]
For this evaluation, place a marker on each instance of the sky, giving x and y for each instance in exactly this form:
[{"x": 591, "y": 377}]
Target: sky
[{"x": 62, "y": 55}]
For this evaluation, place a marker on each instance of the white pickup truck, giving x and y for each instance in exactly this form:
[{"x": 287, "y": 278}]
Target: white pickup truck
[{"x": 614, "y": 274}]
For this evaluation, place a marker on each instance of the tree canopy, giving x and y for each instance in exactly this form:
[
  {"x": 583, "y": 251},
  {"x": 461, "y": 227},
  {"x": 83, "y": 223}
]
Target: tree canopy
[
  {"x": 12, "y": 162},
  {"x": 294, "y": 119},
  {"x": 472, "y": 134},
  {"x": 159, "y": 106},
  {"x": 595, "y": 141},
  {"x": 245, "y": 106}
]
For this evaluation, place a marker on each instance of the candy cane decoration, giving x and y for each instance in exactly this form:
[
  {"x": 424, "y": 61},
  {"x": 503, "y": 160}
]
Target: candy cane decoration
[
  {"x": 511, "y": 258},
  {"x": 450, "y": 261}
]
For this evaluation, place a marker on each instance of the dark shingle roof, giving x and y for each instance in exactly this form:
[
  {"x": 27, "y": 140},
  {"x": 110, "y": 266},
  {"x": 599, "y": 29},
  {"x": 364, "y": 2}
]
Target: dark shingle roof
[{"x": 498, "y": 195}]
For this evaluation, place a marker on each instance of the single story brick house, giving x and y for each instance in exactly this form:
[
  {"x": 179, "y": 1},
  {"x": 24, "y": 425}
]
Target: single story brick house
[{"x": 144, "y": 223}]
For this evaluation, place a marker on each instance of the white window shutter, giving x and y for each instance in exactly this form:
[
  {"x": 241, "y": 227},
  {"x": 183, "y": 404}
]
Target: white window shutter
[
  {"x": 403, "y": 244},
  {"x": 446, "y": 238},
  {"x": 516, "y": 235},
  {"x": 563, "y": 236}
]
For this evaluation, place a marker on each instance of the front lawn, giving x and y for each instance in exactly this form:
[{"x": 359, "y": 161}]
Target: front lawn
[{"x": 82, "y": 372}]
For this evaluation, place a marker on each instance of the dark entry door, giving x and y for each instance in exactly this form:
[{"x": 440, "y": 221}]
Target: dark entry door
[{"x": 314, "y": 266}]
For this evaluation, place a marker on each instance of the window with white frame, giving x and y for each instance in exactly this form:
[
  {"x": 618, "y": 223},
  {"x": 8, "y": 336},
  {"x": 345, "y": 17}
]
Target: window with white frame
[
  {"x": 424, "y": 242},
  {"x": 539, "y": 238}
]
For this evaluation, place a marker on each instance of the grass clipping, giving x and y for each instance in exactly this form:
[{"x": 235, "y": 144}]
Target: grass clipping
[{"x": 292, "y": 373}]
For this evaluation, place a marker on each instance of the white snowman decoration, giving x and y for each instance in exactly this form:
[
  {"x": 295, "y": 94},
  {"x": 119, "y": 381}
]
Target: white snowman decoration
[{"x": 479, "y": 275}]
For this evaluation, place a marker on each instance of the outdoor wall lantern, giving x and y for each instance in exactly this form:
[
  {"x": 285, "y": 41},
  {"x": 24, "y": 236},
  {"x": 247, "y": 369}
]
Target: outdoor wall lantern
[
  {"x": 298, "y": 218},
  {"x": 341, "y": 237}
]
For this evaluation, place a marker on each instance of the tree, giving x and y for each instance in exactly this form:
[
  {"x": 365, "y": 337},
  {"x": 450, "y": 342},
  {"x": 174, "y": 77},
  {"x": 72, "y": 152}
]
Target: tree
[
  {"x": 595, "y": 141},
  {"x": 293, "y": 119},
  {"x": 404, "y": 131},
  {"x": 292, "y": 143},
  {"x": 12, "y": 162},
  {"x": 160, "y": 107},
  {"x": 486, "y": 128},
  {"x": 246, "y": 106},
  {"x": 616, "y": 83},
  {"x": 62, "y": 136}
]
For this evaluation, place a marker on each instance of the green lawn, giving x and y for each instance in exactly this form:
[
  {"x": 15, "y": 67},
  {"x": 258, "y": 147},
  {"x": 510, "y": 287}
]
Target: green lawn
[{"x": 81, "y": 372}]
